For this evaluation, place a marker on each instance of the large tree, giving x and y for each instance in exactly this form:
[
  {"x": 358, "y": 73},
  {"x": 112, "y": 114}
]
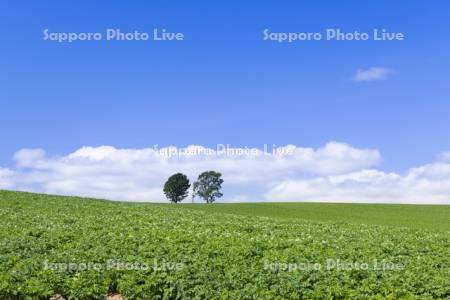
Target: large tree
[
  {"x": 176, "y": 187},
  {"x": 208, "y": 186}
]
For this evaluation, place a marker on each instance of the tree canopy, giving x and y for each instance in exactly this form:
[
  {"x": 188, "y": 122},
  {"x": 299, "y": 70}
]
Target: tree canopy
[
  {"x": 208, "y": 186},
  {"x": 177, "y": 187}
]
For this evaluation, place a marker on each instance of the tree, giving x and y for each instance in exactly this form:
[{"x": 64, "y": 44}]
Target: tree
[
  {"x": 208, "y": 186},
  {"x": 176, "y": 187}
]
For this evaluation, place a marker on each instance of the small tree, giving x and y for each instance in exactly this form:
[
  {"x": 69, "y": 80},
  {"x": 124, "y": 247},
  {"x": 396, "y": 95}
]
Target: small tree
[
  {"x": 176, "y": 187},
  {"x": 208, "y": 186}
]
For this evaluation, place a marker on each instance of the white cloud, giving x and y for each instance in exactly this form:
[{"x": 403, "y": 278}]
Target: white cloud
[
  {"x": 371, "y": 74},
  {"x": 334, "y": 172},
  {"x": 6, "y": 178},
  {"x": 29, "y": 157},
  {"x": 426, "y": 184}
]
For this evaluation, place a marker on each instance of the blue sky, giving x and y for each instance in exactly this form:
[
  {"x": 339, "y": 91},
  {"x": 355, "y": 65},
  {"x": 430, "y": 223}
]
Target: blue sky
[{"x": 223, "y": 83}]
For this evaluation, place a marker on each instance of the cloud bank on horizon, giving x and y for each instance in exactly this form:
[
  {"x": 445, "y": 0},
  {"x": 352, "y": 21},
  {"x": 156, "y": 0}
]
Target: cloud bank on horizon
[{"x": 336, "y": 172}]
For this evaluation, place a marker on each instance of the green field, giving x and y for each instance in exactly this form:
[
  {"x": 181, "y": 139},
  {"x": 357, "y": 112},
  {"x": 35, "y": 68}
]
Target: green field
[
  {"x": 433, "y": 217},
  {"x": 86, "y": 249}
]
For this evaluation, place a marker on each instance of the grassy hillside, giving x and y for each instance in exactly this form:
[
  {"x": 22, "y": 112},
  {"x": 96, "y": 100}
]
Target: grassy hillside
[
  {"x": 433, "y": 217},
  {"x": 85, "y": 249}
]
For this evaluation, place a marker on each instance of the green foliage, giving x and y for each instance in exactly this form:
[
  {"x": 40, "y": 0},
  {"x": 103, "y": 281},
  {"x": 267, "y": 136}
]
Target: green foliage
[
  {"x": 223, "y": 255},
  {"x": 177, "y": 187},
  {"x": 208, "y": 186}
]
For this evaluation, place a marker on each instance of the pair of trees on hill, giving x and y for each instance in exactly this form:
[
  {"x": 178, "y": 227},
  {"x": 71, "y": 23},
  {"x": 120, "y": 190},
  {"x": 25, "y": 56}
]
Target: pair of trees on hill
[{"x": 207, "y": 187}]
